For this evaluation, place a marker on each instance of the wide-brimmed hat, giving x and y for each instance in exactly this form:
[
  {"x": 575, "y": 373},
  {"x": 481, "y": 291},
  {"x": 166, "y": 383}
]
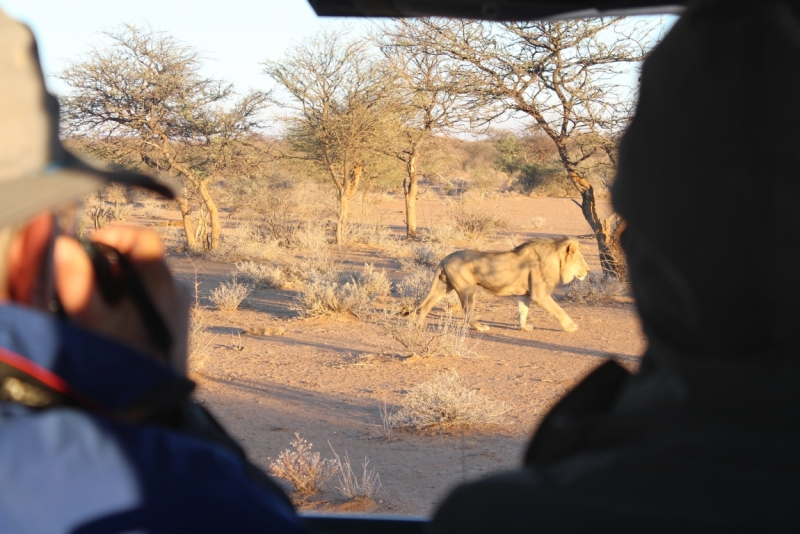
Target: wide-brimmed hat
[{"x": 36, "y": 172}]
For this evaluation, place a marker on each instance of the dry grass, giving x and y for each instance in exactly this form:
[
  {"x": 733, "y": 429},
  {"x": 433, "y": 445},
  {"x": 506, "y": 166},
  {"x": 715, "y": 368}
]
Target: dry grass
[
  {"x": 475, "y": 223},
  {"x": 425, "y": 254},
  {"x": 247, "y": 242},
  {"x": 596, "y": 287},
  {"x": 445, "y": 403},
  {"x": 229, "y": 295},
  {"x": 306, "y": 470},
  {"x": 268, "y": 276},
  {"x": 349, "y": 484},
  {"x": 330, "y": 292},
  {"x": 534, "y": 223},
  {"x": 370, "y": 234},
  {"x": 413, "y": 288},
  {"x": 449, "y": 335},
  {"x": 441, "y": 233}
]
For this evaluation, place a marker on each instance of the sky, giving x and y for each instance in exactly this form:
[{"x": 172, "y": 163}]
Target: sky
[{"x": 233, "y": 35}]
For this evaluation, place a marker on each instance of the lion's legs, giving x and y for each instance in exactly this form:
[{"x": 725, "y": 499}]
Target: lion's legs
[
  {"x": 524, "y": 304},
  {"x": 467, "y": 297},
  {"x": 437, "y": 293},
  {"x": 547, "y": 303}
]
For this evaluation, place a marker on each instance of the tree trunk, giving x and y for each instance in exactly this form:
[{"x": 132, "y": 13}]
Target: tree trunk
[
  {"x": 186, "y": 214},
  {"x": 341, "y": 221},
  {"x": 601, "y": 232},
  {"x": 212, "y": 211},
  {"x": 605, "y": 230},
  {"x": 410, "y": 189}
]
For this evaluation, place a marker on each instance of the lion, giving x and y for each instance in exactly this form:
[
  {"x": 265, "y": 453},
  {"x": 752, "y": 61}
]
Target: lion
[{"x": 530, "y": 272}]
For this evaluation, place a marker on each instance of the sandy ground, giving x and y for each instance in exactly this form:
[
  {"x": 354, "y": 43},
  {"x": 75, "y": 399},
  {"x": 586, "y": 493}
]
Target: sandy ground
[{"x": 326, "y": 378}]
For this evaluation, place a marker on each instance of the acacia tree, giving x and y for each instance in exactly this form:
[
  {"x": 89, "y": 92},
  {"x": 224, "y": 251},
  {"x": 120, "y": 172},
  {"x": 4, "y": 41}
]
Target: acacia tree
[
  {"x": 562, "y": 74},
  {"x": 145, "y": 94},
  {"x": 429, "y": 102},
  {"x": 340, "y": 98}
]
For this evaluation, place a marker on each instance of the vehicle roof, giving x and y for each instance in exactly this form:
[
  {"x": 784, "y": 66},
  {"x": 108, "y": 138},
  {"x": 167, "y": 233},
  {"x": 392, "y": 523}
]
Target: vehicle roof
[{"x": 494, "y": 9}]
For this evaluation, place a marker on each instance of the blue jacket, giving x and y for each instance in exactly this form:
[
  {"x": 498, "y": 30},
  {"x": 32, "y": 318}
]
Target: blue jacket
[{"x": 70, "y": 469}]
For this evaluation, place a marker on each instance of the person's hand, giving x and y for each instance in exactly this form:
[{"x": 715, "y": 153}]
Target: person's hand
[{"x": 82, "y": 302}]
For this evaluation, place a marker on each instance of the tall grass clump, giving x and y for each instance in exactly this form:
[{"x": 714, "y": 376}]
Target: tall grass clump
[
  {"x": 351, "y": 485},
  {"x": 444, "y": 403}
]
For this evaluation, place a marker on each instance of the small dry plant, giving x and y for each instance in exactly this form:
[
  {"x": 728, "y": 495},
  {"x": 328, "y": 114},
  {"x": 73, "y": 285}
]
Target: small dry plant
[
  {"x": 596, "y": 287},
  {"x": 445, "y": 403},
  {"x": 449, "y": 335},
  {"x": 351, "y": 485},
  {"x": 306, "y": 470},
  {"x": 229, "y": 295}
]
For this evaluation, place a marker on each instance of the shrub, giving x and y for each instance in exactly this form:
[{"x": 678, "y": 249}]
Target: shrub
[
  {"x": 229, "y": 295},
  {"x": 596, "y": 287},
  {"x": 304, "y": 469},
  {"x": 444, "y": 403},
  {"x": 349, "y": 484}
]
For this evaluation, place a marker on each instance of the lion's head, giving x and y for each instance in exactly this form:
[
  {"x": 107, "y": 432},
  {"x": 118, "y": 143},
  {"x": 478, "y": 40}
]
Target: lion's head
[{"x": 573, "y": 265}]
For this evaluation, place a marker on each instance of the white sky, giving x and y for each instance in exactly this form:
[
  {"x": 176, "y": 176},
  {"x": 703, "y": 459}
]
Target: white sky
[{"x": 234, "y": 35}]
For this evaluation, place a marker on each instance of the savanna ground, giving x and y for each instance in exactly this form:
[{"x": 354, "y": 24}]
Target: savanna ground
[{"x": 269, "y": 370}]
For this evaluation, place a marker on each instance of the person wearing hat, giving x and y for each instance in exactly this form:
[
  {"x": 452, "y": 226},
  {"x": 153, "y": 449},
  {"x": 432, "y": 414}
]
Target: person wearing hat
[
  {"x": 705, "y": 437},
  {"x": 98, "y": 432}
]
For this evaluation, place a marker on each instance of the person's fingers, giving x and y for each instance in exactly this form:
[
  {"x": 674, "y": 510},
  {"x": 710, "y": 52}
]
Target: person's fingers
[
  {"x": 122, "y": 321},
  {"x": 136, "y": 244},
  {"x": 74, "y": 276}
]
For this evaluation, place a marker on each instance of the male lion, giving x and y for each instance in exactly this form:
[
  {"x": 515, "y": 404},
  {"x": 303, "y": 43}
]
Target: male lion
[{"x": 529, "y": 272}]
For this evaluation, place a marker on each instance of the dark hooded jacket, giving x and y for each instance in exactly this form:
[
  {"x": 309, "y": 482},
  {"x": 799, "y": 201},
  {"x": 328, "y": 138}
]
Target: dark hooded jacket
[{"x": 705, "y": 438}]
